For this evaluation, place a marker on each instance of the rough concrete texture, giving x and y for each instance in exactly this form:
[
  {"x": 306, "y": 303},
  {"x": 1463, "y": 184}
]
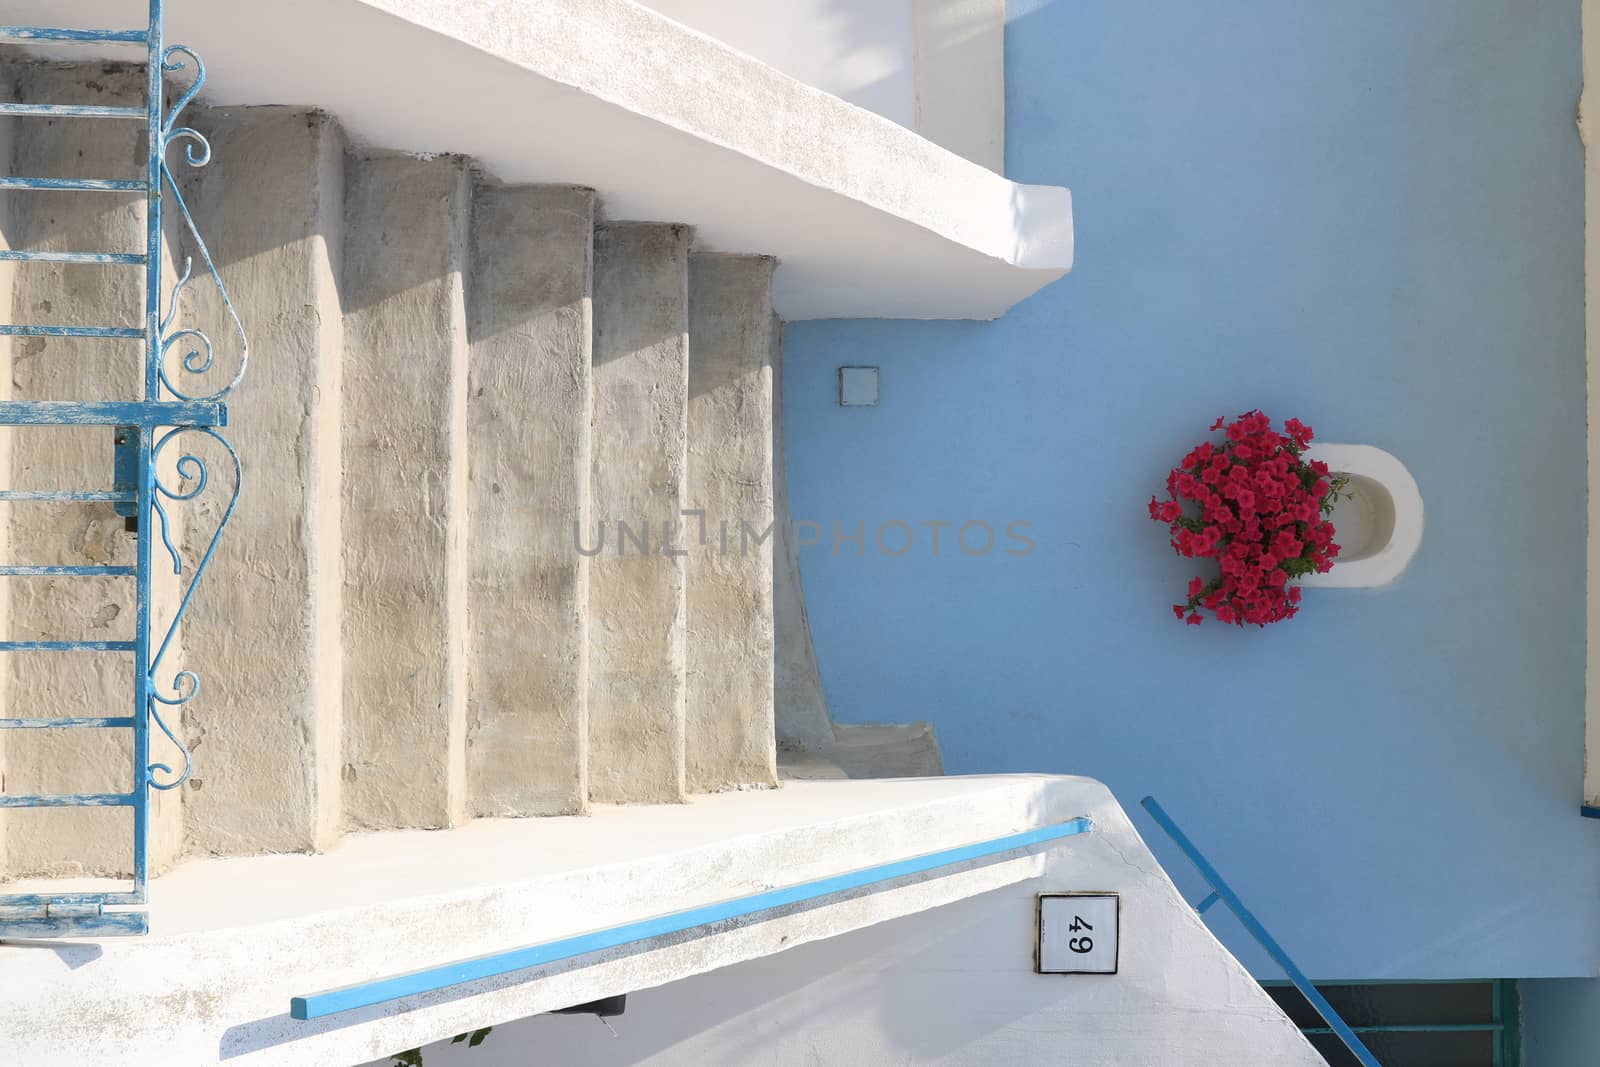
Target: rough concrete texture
[
  {"x": 729, "y": 738},
  {"x": 806, "y": 732},
  {"x": 265, "y": 633},
  {"x": 405, "y": 491},
  {"x": 229, "y": 938},
  {"x": 636, "y": 586},
  {"x": 528, "y": 411},
  {"x": 76, "y": 841}
]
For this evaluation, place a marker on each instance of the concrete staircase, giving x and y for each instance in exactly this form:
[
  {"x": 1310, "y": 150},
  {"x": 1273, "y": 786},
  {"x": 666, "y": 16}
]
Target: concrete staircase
[{"x": 507, "y": 536}]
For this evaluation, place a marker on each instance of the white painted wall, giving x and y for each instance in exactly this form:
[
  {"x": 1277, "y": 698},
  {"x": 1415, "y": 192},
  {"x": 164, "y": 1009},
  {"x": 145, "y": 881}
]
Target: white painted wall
[
  {"x": 861, "y": 50},
  {"x": 952, "y": 985}
]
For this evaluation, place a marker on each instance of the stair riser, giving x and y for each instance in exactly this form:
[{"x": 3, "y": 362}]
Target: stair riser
[
  {"x": 528, "y": 412},
  {"x": 637, "y": 606},
  {"x": 272, "y": 207},
  {"x": 729, "y": 732},
  {"x": 405, "y": 491},
  {"x": 61, "y": 840}
]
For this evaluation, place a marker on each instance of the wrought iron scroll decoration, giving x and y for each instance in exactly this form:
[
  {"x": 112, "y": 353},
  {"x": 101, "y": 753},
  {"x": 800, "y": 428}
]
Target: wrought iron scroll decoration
[{"x": 190, "y": 467}]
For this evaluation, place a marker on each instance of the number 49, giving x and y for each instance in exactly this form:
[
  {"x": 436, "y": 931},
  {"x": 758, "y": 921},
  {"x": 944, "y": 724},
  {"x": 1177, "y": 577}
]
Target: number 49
[{"x": 1080, "y": 945}]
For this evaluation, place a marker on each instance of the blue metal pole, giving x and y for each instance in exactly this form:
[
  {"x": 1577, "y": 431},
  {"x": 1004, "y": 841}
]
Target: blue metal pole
[
  {"x": 1221, "y": 890},
  {"x": 154, "y": 96}
]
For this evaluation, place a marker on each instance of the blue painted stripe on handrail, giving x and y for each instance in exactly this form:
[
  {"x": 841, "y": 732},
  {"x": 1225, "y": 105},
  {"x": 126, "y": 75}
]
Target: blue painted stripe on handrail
[
  {"x": 428, "y": 980},
  {"x": 82, "y": 185},
  {"x": 1589, "y": 812},
  {"x": 33, "y": 571},
  {"x": 66, "y": 646},
  {"x": 14, "y": 256},
  {"x": 72, "y": 496},
  {"x": 41, "y": 33},
  {"x": 113, "y": 413},
  {"x": 41, "y": 900},
  {"x": 67, "y": 800},
  {"x": 129, "y": 333},
  {"x": 105, "y": 924},
  {"x": 104, "y": 721},
  {"x": 1247, "y": 919},
  {"x": 74, "y": 111}
]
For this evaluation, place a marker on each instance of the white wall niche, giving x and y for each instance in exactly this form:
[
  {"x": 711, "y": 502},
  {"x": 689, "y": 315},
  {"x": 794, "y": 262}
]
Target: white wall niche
[{"x": 1378, "y": 521}]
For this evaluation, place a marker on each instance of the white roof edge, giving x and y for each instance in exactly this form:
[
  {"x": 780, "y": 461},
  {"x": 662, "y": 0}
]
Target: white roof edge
[
  {"x": 866, "y": 218},
  {"x": 648, "y": 64}
]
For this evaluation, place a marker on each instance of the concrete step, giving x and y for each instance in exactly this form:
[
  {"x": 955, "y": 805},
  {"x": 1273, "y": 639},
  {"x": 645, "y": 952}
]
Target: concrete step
[
  {"x": 529, "y": 315},
  {"x": 73, "y": 840},
  {"x": 729, "y": 726},
  {"x": 405, "y": 490},
  {"x": 637, "y": 605},
  {"x": 266, "y": 626}
]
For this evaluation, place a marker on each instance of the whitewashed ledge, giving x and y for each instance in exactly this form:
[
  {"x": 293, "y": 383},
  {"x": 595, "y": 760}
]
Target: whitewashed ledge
[
  {"x": 867, "y": 219},
  {"x": 233, "y": 940}
]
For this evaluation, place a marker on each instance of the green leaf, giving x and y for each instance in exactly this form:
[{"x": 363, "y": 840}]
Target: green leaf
[
  {"x": 478, "y": 1036},
  {"x": 411, "y": 1057}
]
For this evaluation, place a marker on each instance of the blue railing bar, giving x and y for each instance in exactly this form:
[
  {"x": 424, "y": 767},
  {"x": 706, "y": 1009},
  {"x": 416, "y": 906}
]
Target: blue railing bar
[
  {"x": 113, "y": 413},
  {"x": 66, "y": 646},
  {"x": 1205, "y": 905},
  {"x": 366, "y": 994},
  {"x": 120, "y": 332},
  {"x": 105, "y": 924},
  {"x": 70, "y": 496},
  {"x": 75, "y": 111},
  {"x": 42, "y": 900},
  {"x": 82, "y": 185},
  {"x": 40, "y": 33},
  {"x": 33, "y": 571},
  {"x": 67, "y": 800},
  {"x": 106, "y": 721},
  {"x": 1248, "y": 920},
  {"x": 71, "y": 257}
]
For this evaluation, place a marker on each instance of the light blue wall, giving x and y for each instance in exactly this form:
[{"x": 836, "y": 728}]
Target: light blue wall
[
  {"x": 1365, "y": 214},
  {"x": 1560, "y": 1022}
]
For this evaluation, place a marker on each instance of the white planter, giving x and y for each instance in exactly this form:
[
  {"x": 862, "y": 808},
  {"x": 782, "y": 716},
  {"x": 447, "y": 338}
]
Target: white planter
[{"x": 1378, "y": 522}]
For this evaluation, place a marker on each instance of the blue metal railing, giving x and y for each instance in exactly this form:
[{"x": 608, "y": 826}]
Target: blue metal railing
[
  {"x": 171, "y": 405},
  {"x": 756, "y": 906},
  {"x": 1220, "y": 890}
]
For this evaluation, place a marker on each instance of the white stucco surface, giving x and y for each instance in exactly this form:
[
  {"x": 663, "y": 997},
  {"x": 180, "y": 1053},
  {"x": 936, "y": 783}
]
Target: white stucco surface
[
  {"x": 866, "y": 218},
  {"x": 232, "y": 940},
  {"x": 953, "y": 985},
  {"x": 863, "y": 51}
]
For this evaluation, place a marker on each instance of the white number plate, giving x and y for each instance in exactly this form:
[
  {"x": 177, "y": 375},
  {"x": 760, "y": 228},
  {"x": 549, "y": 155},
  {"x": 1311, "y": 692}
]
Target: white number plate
[{"x": 1078, "y": 933}]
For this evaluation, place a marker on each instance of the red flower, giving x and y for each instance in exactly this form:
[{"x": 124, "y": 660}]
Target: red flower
[{"x": 1261, "y": 511}]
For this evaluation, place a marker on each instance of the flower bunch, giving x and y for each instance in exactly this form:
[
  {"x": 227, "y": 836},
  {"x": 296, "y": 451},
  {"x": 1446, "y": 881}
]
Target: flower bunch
[{"x": 1258, "y": 508}]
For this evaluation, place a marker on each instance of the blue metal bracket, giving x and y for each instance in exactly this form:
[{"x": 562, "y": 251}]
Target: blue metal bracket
[
  {"x": 181, "y": 404},
  {"x": 1220, "y": 890}
]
